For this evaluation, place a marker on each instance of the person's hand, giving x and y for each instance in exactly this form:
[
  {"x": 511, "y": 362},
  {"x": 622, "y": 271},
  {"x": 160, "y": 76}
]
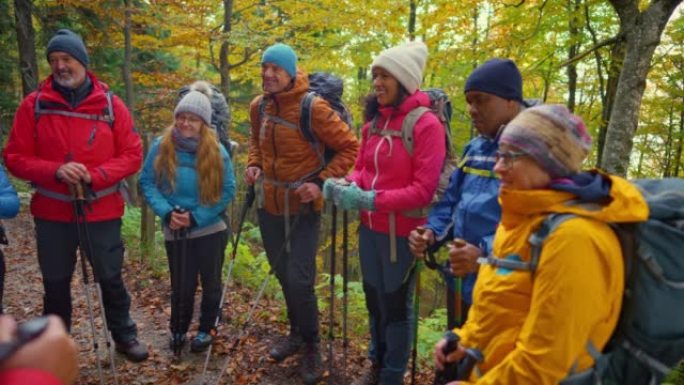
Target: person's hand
[
  {"x": 418, "y": 243},
  {"x": 308, "y": 192},
  {"x": 463, "y": 257},
  {"x": 73, "y": 173},
  {"x": 331, "y": 187},
  {"x": 353, "y": 197},
  {"x": 252, "y": 173},
  {"x": 53, "y": 351},
  {"x": 441, "y": 360},
  {"x": 179, "y": 220}
]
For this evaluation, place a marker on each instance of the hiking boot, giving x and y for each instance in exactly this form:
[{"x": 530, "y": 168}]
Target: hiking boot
[
  {"x": 370, "y": 376},
  {"x": 201, "y": 342},
  {"x": 286, "y": 347},
  {"x": 311, "y": 368},
  {"x": 133, "y": 350}
]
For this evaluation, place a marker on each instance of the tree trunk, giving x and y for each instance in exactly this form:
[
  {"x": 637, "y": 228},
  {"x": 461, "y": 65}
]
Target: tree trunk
[
  {"x": 617, "y": 56},
  {"x": 224, "y": 65},
  {"x": 28, "y": 66},
  {"x": 412, "y": 21},
  {"x": 642, "y": 35},
  {"x": 573, "y": 9}
]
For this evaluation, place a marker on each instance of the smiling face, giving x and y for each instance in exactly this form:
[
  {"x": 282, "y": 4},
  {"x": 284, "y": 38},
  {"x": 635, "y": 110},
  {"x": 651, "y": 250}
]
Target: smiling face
[
  {"x": 66, "y": 70},
  {"x": 519, "y": 171},
  {"x": 489, "y": 112},
  {"x": 189, "y": 125},
  {"x": 274, "y": 78},
  {"x": 386, "y": 86}
]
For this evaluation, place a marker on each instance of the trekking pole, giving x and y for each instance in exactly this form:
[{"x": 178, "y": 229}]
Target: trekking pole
[
  {"x": 345, "y": 286},
  {"x": 276, "y": 261},
  {"x": 416, "y": 314},
  {"x": 333, "y": 244},
  {"x": 86, "y": 250},
  {"x": 179, "y": 266},
  {"x": 458, "y": 242},
  {"x": 249, "y": 200}
]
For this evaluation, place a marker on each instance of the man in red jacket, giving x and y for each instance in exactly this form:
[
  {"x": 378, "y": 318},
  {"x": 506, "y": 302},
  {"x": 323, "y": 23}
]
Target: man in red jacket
[{"x": 73, "y": 131}]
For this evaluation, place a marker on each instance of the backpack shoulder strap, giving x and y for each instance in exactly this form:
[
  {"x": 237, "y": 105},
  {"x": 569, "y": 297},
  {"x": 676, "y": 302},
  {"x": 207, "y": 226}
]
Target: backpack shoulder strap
[
  {"x": 107, "y": 116},
  {"x": 407, "y": 127},
  {"x": 536, "y": 240},
  {"x": 305, "y": 116}
]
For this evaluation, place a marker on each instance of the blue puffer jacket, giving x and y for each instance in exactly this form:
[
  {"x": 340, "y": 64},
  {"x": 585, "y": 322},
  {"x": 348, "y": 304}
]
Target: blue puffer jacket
[
  {"x": 186, "y": 194},
  {"x": 9, "y": 200},
  {"x": 469, "y": 208}
]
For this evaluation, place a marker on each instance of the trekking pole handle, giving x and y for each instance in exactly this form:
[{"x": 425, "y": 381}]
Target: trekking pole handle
[
  {"x": 450, "y": 371},
  {"x": 26, "y": 332},
  {"x": 77, "y": 191}
]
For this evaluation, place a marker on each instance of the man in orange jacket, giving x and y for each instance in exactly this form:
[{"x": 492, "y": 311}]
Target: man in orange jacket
[{"x": 292, "y": 174}]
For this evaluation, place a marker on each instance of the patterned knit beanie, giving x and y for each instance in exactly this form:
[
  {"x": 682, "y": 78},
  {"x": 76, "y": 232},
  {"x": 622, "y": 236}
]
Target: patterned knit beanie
[
  {"x": 555, "y": 138},
  {"x": 500, "y": 77},
  {"x": 283, "y": 56},
  {"x": 67, "y": 41},
  {"x": 405, "y": 62},
  {"x": 197, "y": 101}
]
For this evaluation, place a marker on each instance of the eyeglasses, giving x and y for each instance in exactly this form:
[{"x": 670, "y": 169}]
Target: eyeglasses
[{"x": 507, "y": 158}]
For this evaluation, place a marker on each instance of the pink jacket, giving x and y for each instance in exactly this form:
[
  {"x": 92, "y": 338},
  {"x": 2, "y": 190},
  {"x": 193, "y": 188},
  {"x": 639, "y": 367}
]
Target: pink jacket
[{"x": 402, "y": 182}]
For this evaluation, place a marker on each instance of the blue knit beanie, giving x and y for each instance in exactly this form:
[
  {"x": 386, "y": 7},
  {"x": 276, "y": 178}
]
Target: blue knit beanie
[
  {"x": 500, "y": 77},
  {"x": 67, "y": 41},
  {"x": 283, "y": 56}
]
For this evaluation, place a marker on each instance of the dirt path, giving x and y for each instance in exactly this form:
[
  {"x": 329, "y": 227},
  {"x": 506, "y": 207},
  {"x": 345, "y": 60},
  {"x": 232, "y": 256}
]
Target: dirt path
[{"x": 248, "y": 363}]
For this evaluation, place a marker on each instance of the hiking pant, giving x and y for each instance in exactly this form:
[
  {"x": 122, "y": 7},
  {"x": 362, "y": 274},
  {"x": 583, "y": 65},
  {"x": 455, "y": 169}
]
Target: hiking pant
[
  {"x": 388, "y": 288},
  {"x": 296, "y": 270},
  {"x": 56, "y": 243},
  {"x": 204, "y": 256}
]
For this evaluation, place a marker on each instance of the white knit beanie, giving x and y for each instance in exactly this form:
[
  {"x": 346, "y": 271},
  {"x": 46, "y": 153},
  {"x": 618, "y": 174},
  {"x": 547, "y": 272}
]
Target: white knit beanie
[
  {"x": 405, "y": 62},
  {"x": 197, "y": 101}
]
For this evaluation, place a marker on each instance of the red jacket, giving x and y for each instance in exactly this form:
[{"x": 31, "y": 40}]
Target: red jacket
[
  {"x": 36, "y": 150},
  {"x": 23, "y": 376}
]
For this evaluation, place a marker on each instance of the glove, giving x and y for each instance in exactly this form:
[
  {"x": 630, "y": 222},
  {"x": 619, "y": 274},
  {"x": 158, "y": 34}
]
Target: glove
[
  {"x": 352, "y": 197},
  {"x": 332, "y": 188}
]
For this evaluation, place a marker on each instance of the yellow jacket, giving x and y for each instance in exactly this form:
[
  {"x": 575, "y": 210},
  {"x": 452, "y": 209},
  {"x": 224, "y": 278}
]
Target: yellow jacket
[{"x": 532, "y": 330}]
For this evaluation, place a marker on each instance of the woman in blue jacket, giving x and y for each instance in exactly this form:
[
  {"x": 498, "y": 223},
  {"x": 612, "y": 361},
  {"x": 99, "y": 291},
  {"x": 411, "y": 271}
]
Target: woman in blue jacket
[
  {"x": 9, "y": 207},
  {"x": 188, "y": 180}
]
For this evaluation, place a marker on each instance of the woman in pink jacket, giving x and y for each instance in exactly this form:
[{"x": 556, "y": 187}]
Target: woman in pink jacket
[{"x": 386, "y": 185}]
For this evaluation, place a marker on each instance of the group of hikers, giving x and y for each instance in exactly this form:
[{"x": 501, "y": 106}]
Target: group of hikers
[{"x": 531, "y": 317}]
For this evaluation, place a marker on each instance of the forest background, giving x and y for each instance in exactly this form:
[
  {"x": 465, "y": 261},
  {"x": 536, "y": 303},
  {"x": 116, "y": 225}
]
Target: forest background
[{"x": 619, "y": 64}]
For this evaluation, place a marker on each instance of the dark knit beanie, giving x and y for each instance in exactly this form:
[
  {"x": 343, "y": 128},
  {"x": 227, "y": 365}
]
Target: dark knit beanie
[
  {"x": 67, "y": 41},
  {"x": 500, "y": 77}
]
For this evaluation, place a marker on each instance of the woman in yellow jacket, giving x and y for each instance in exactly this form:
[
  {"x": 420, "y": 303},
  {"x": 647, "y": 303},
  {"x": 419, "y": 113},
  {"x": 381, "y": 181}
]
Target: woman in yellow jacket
[{"x": 534, "y": 328}]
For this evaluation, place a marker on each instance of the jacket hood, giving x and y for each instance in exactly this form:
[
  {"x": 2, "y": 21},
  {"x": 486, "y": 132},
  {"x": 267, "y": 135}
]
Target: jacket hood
[{"x": 592, "y": 194}]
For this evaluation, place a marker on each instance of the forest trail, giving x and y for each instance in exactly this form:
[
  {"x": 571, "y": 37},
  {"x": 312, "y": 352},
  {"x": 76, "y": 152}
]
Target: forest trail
[{"x": 150, "y": 309}]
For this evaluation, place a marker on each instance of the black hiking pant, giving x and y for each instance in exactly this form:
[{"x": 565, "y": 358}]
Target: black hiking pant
[
  {"x": 296, "y": 270},
  {"x": 57, "y": 243},
  {"x": 2, "y": 279},
  {"x": 202, "y": 256}
]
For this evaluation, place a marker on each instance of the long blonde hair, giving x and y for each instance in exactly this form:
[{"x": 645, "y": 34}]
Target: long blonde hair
[{"x": 208, "y": 163}]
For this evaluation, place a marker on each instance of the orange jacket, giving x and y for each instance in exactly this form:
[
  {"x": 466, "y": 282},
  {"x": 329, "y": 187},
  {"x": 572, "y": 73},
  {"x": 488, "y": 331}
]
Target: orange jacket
[{"x": 283, "y": 153}]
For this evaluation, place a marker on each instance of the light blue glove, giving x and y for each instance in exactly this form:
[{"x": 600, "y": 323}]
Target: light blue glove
[
  {"x": 354, "y": 198},
  {"x": 332, "y": 189}
]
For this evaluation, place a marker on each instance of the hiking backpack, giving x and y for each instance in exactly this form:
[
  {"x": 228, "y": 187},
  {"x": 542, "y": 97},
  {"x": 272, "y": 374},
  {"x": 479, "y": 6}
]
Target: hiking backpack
[
  {"x": 328, "y": 87},
  {"x": 220, "y": 113},
  {"x": 649, "y": 338},
  {"x": 440, "y": 105}
]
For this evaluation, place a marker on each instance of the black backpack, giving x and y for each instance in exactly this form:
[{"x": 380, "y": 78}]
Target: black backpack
[
  {"x": 220, "y": 113},
  {"x": 329, "y": 87}
]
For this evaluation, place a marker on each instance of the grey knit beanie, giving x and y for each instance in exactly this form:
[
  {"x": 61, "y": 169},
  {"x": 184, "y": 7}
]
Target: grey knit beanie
[
  {"x": 67, "y": 41},
  {"x": 405, "y": 62},
  {"x": 197, "y": 101}
]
